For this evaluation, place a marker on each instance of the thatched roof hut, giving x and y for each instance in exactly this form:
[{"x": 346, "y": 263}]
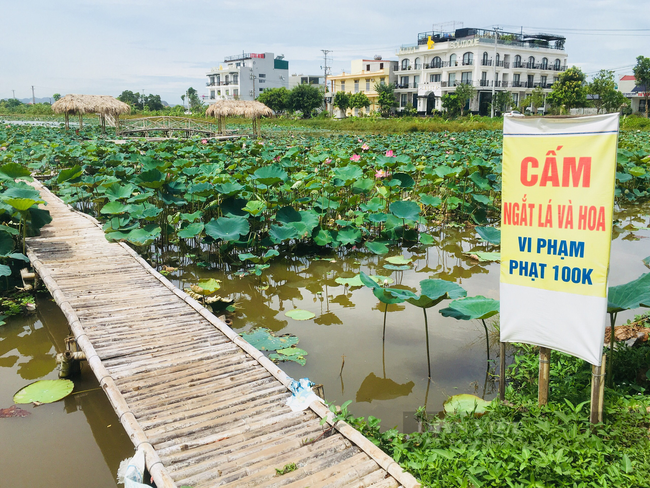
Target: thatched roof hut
[
  {"x": 90, "y": 104},
  {"x": 239, "y": 108}
]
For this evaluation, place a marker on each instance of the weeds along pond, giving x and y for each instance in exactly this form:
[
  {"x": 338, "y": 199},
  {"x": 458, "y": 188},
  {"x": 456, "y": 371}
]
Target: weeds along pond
[{"x": 290, "y": 223}]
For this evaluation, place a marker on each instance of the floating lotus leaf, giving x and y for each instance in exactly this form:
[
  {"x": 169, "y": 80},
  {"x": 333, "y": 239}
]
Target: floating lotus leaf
[
  {"x": 486, "y": 256},
  {"x": 427, "y": 240},
  {"x": 44, "y": 391},
  {"x": 465, "y": 404},
  {"x": 207, "y": 287},
  {"x": 264, "y": 340},
  {"x": 191, "y": 230},
  {"x": 227, "y": 228},
  {"x": 477, "y": 307},
  {"x": 629, "y": 296},
  {"x": 398, "y": 260},
  {"x": 394, "y": 267},
  {"x": 489, "y": 234},
  {"x": 299, "y": 314},
  {"x": 377, "y": 247},
  {"x": 405, "y": 210}
]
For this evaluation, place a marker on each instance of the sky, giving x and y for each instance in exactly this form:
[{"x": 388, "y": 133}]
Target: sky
[{"x": 103, "y": 47}]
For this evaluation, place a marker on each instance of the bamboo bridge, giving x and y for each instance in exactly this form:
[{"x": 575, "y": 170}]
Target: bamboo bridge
[
  {"x": 206, "y": 407},
  {"x": 168, "y": 127}
]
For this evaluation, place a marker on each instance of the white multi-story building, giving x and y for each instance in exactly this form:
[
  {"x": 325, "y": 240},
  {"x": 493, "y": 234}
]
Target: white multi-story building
[
  {"x": 315, "y": 80},
  {"x": 244, "y": 76},
  {"x": 440, "y": 61}
]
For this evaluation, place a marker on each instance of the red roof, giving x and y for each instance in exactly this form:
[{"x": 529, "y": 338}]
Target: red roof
[{"x": 628, "y": 78}]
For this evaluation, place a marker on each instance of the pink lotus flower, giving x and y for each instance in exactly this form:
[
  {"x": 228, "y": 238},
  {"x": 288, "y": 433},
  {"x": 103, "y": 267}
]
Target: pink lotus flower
[
  {"x": 327, "y": 161},
  {"x": 452, "y": 138},
  {"x": 204, "y": 141},
  {"x": 381, "y": 174},
  {"x": 355, "y": 157},
  {"x": 3, "y": 148},
  {"x": 359, "y": 140},
  {"x": 365, "y": 147},
  {"x": 389, "y": 153},
  {"x": 277, "y": 158}
]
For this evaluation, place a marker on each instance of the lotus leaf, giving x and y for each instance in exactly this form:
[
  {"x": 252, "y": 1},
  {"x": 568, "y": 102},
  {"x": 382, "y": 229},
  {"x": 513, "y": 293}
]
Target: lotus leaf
[
  {"x": 191, "y": 217},
  {"x": 646, "y": 261},
  {"x": 229, "y": 188},
  {"x": 405, "y": 180},
  {"x": 465, "y": 404},
  {"x": 363, "y": 185},
  {"x": 287, "y": 214},
  {"x": 426, "y": 239},
  {"x": 118, "y": 192},
  {"x": 255, "y": 207},
  {"x": 629, "y": 296},
  {"x": 270, "y": 175},
  {"x": 377, "y": 218},
  {"x": 433, "y": 291},
  {"x": 485, "y": 256},
  {"x": 7, "y": 244},
  {"x": 298, "y": 314},
  {"x": 405, "y": 210},
  {"x": 69, "y": 174},
  {"x": 490, "y": 234},
  {"x": 14, "y": 171},
  {"x": 227, "y": 228},
  {"x": 348, "y": 173},
  {"x": 44, "y": 391},
  {"x": 264, "y": 340},
  {"x": 280, "y": 234},
  {"x": 349, "y": 236},
  {"x": 10, "y": 230},
  {"x": 323, "y": 237},
  {"x": 115, "y": 208},
  {"x": 191, "y": 230},
  {"x": 21, "y": 198},
  {"x": 430, "y": 200},
  {"x": 207, "y": 287},
  {"x": 5, "y": 270},
  {"x": 151, "y": 179},
  {"x": 482, "y": 183},
  {"x": 481, "y": 198},
  {"x": 398, "y": 260},
  {"x": 144, "y": 236},
  {"x": 394, "y": 267},
  {"x": 324, "y": 203},
  {"x": 377, "y": 247},
  {"x": 294, "y": 354},
  {"x": 234, "y": 207},
  {"x": 477, "y": 307},
  {"x": 386, "y": 296},
  {"x": 372, "y": 205}
]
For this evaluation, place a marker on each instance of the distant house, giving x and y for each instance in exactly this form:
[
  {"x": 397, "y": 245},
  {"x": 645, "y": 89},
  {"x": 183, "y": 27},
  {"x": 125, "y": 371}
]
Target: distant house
[
  {"x": 244, "y": 76},
  {"x": 315, "y": 80},
  {"x": 628, "y": 87},
  {"x": 364, "y": 73}
]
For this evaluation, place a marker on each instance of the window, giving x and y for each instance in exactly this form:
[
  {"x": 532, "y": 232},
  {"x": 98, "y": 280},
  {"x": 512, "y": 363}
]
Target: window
[
  {"x": 262, "y": 80},
  {"x": 211, "y": 94},
  {"x": 367, "y": 85},
  {"x": 544, "y": 63},
  {"x": 262, "y": 75},
  {"x": 382, "y": 81},
  {"x": 436, "y": 62},
  {"x": 405, "y": 63},
  {"x": 498, "y": 59},
  {"x": 484, "y": 78},
  {"x": 403, "y": 100},
  {"x": 227, "y": 79},
  {"x": 235, "y": 92},
  {"x": 531, "y": 62},
  {"x": 452, "y": 79},
  {"x": 557, "y": 65},
  {"x": 515, "y": 79},
  {"x": 466, "y": 78},
  {"x": 367, "y": 67},
  {"x": 434, "y": 78},
  {"x": 381, "y": 65},
  {"x": 235, "y": 79},
  {"x": 515, "y": 99},
  {"x": 542, "y": 80},
  {"x": 367, "y": 110},
  {"x": 418, "y": 64},
  {"x": 517, "y": 61},
  {"x": 485, "y": 59},
  {"x": 452, "y": 60},
  {"x": 416, "y": 81},
  {"x": 342, "y": 86},
  {"x": 227, "y": 92},
  {"x": 531, "y": 81},
  {"x": 356, "y": 86},
  {"x": 404, "y": 82},
  {"x": 468, "y": 59},
  {"x": 261, "y": 90}
]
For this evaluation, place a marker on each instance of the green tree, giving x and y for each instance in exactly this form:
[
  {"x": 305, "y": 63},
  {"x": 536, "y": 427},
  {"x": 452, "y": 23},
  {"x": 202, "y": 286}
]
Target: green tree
[
  {"x": 536, "y": 99},
  {"x": 56, "y": 97},
  {"x": 133, "y": 99},
  {"x": 277, "y": 99},
  {"x": 342, "y": 101},
  {"x": 452, "y": 104},
  {"x": 614, "y": 101},
  {"x": 193, "y": 100},
  {"x": 464, "y": 92},
  {"x": 569, "y": 91},
  {"x": 386, "y": 99},
  {"x": 153, "y": 102},
  {"x": 503, "y": 100},
  {"x": 359, "y": 100},
  {"x": 305, "y": 98},
  {"x": 642, "y": 78},
  {"x": 602, "y": 87}
]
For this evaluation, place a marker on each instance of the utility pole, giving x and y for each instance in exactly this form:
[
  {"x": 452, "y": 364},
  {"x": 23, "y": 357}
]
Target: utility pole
[
  {"x": 14, "y": 92},
  {"x": 494, "y": 70},
  {"x": 326, "y": 72},
  {"x": 33, "y": 97}
]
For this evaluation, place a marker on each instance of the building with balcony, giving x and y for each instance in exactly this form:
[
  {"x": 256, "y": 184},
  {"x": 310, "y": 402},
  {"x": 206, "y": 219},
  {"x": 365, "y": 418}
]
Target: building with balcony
[
  {"x": 364, "y": 73},
  {"x": 244, "y": 76},
  {"x": 440, "y": 61},
  {"x": 315, "y": 80}
]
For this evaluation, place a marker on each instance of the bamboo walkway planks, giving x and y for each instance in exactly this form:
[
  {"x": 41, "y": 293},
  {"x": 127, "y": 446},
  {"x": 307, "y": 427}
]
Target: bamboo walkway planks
[{"x": 207, "y": 408}]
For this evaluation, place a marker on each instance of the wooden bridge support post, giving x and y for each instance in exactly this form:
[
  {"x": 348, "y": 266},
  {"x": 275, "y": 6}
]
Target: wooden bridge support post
[{"x": 67, "y": 120}]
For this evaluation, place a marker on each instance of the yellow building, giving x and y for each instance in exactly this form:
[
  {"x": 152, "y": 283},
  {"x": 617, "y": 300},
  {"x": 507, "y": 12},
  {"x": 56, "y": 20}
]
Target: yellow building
[{"x": 364, "y": 73}]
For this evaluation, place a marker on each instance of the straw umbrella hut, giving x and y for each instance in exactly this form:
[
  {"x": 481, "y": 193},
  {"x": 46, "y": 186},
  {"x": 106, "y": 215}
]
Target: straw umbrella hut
[
  {"x": 241, "y": 108},
  {"x": 90, "y": 104}
]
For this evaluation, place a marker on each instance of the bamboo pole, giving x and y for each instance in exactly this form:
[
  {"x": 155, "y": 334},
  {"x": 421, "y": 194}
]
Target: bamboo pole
[
  {"x": 544, "y": 369},
  {"x": 81, "y": 121},
  {"x": 67, "y": 120},
  {"x": 502, "y": 371},
  {"x": 597, "y": 392}
]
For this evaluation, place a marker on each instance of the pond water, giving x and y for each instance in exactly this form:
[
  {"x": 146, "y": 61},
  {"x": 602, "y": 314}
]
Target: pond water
[{"x": 79, "y": 442}]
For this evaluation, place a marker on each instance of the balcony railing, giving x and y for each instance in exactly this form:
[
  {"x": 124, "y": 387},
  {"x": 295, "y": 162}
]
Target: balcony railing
[{"x": 486, "y": 62}]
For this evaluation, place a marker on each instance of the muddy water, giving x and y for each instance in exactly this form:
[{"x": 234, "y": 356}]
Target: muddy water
[
  {"x": 347, "y": 353},
  {"x": 79, "y": 442},
  {"x": 74, "y": 443}
]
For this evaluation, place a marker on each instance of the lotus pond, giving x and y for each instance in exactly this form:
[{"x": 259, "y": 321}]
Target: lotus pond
[{"x": 280, "y": 234}]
